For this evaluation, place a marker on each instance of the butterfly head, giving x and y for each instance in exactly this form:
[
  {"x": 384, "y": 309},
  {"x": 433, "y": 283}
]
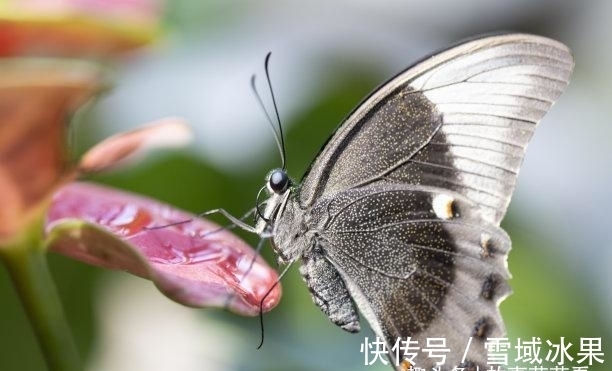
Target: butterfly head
[
  {"x": 279, "y": 186},
  {"x": 278, "y": 181}
]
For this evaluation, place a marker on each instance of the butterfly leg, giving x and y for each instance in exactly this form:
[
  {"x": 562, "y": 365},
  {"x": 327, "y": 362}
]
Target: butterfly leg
[
  {"x": 235, "y": 221},
  {"x": 329, "y": 291}
]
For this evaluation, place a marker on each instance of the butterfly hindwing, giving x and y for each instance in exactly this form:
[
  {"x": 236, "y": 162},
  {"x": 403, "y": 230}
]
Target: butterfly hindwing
[{"x": 423, "y": 264}]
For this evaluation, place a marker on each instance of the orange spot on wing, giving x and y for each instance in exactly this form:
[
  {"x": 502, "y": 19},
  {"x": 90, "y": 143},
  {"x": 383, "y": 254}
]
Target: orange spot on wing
[{"x": 405, "y": 365}]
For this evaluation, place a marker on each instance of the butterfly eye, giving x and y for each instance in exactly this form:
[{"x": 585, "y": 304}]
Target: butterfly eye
[{"x": 278, "y": 181}]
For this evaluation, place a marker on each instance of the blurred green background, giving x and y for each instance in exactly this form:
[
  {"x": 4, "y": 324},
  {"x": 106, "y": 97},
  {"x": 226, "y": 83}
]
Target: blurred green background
[{"x": 326, "y": 58}]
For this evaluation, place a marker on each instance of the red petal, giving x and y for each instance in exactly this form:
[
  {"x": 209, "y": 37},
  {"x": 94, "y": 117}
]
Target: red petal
[
  {"x": 186, "y": 261},
  {"x": 37, "y": 96}
]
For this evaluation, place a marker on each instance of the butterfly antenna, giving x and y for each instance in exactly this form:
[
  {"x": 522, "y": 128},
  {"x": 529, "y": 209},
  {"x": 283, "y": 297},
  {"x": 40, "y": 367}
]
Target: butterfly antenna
[
  {"x": 279, "y": 144},
  {"x": 280, "y": 277},
  {"x": 280, "y": 126}
]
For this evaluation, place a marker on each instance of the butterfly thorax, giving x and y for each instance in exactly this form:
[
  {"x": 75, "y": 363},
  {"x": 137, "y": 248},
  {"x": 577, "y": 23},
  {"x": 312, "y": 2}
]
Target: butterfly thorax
[
  {"x": 290, "y": 237},
  {"x": 288, "y": 243}
]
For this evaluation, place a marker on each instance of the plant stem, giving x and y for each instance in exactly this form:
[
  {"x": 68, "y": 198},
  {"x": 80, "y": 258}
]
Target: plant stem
[{"x": 26, "y": 262}]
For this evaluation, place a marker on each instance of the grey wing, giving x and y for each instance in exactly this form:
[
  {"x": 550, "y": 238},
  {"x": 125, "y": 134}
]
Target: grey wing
[
  {"x": 459, "y": 120},
  {"x": 421, "y": 263}
]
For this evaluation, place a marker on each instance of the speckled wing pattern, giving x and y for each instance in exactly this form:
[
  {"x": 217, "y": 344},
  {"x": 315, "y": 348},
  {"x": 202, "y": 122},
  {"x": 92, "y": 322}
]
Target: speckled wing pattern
[{"x": 407, "y": 196}]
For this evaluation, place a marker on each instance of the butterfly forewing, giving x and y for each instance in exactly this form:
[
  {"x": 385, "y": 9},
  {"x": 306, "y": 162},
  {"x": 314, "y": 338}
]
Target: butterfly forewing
[
  {"x": 404, "y": 201},
  {"x": 469, "y": 112}
]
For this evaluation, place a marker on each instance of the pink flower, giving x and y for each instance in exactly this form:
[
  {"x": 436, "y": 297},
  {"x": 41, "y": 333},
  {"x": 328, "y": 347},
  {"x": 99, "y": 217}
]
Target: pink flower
[
  {"x": 186, "y": 262},
  {"x": 194, "y": 262},
  {"x": 43, "y": 209}
]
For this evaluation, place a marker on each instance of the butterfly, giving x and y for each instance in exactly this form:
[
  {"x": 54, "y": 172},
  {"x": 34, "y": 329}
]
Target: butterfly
[{"x": 398, "y": 217}]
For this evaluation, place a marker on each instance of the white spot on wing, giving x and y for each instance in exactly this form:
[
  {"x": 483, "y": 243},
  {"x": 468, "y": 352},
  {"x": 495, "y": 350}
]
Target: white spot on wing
[
  {"x": 443, "y": 206},
  {"x": 485, "y": 245}
]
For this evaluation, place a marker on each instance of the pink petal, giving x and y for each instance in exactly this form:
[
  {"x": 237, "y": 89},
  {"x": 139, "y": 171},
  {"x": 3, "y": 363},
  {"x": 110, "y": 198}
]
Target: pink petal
[
  {"x": 130, "y": 146},
  {"x": 187, "y": 262}
]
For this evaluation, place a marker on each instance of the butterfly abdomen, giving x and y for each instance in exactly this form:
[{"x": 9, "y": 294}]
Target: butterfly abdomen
[{"x": 329, "y": 291}]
